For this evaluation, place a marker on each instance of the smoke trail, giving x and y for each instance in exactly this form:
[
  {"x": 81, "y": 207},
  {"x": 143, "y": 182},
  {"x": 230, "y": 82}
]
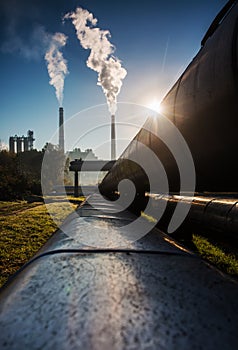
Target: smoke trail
[
  {"x": 109, "y": 68},
  {"x": 57, "y": 65}
]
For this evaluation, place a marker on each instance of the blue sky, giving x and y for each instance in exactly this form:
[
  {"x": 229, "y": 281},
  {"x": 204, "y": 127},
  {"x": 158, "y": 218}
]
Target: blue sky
[{"x": 154, "y": 39}]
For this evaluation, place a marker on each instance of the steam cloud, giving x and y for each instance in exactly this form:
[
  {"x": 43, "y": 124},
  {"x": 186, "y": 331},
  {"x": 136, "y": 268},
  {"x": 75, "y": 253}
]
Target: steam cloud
[
  {"x": 35, "y": 46},
  {"x": 109, "y": 68},
  {"x": 57, "y": 65},
  {"x": 33, "y": 42}
]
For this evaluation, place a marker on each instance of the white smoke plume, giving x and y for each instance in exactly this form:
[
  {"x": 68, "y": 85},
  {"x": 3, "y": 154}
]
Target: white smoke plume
[
  {"x": 109, "y": 68},
  {"x": 56, "y": 64}
]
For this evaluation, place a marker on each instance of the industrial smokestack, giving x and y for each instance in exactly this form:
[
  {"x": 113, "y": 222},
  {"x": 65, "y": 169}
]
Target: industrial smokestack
[
  {"x": 113, "y": 138},
  {"x": 61, "y": 129}
]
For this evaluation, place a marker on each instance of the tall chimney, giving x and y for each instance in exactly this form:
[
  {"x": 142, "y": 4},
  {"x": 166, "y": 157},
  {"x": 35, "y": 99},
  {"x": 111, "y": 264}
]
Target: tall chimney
[
  {"x": 61, "y": 129},
  {"x": 113, "y": 138}
]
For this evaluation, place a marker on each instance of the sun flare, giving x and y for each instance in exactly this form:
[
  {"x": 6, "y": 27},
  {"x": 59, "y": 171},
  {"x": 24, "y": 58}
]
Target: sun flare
[{"x": 155, "y": 105}]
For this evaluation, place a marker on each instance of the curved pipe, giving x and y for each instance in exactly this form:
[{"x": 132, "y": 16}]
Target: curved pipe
[{"x": 208, "y": 215}]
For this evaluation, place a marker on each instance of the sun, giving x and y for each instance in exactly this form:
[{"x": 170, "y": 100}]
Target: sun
[{"x": 155, "y": 105}]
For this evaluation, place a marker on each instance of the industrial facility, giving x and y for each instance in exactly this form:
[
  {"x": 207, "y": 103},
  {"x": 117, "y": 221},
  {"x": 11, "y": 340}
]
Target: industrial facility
[
  {"x": 77, "y": 153},
  {"x": 61, "y": 129},
  {"x": 124, "y": 270},
  {"x": 23, "y": 143}
]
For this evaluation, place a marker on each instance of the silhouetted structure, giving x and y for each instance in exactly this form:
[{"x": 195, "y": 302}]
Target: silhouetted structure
[
  {"x": 77, "y": 154},
  {"x": 61, "y": 129},
  {"x": 94, "y": 165},
  {"x": 30, "y": 139},
  {"x": 113, "y": 138},
  {"x": 12, "y": 142},
  {"x": 23, "y": 143}
]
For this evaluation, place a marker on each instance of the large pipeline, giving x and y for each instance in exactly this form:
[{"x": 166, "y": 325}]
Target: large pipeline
[
  {"x": 203, "y": 106},
  {"x": 153, "y": 294},
  {"x": 212, "y": 216}
]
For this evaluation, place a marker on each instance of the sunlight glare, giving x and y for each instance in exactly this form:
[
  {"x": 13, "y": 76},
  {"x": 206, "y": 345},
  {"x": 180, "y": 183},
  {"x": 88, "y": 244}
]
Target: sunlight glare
[{"x": 155, "y": 106}]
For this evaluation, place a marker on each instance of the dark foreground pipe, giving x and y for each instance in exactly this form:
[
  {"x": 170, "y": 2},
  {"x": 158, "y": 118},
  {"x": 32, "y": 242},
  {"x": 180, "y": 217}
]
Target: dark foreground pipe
[
  {"x": 151, "y": 294},
  {"x": 212, "y": 215}
]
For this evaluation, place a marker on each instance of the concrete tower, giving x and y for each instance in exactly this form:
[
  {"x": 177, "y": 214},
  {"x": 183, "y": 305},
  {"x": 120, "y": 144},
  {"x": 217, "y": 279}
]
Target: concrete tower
[
  {"x": 20, "y": 141},
  {"x": 61, "y": 129},
  {"x": 113, "y": 138},
  {"x": 12, "y": 144}
]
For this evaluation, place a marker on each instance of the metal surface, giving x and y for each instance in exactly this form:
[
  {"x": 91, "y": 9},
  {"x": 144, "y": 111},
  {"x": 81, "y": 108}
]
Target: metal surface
[
  {"x": 117, "y": 300},
  {"x": 203, "y": 106},
  {"x": 217, "y": 21},
  {"x": 210, "y": 215},
  {"x": 71, "y": 296}
]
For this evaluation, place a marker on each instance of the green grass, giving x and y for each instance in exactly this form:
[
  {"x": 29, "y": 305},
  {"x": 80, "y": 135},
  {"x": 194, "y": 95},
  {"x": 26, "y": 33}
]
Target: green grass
[
  {"x": 24, "y": 228},
  {"x": 60, "y": 198},
  {"x": 10, "y": 207},
  {"x": 76, "y": 200},
  {"x": 214, "y": 254},
  {"x": 148, "y": 217}
]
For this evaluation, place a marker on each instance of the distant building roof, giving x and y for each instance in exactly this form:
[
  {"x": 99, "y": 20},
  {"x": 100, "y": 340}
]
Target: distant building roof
[{"x": 77, "y": 154}]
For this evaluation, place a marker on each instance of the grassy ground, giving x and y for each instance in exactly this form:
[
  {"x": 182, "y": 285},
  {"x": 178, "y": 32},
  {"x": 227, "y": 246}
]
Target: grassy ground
[
  {"x": 223, "y": 255},
  {"x": 216, "y": 253},
  {"x": 24, "y": 228}
]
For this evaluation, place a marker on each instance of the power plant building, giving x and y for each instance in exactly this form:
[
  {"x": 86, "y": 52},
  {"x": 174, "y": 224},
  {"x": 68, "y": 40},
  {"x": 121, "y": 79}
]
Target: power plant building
[
  {"x": 77, "y": 153},
  {"x": 23, "y": 143}
]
